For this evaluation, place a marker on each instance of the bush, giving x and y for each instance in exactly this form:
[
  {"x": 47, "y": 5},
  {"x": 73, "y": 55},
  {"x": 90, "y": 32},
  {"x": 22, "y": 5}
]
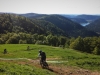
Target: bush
[{"x": 22, "y": 42}]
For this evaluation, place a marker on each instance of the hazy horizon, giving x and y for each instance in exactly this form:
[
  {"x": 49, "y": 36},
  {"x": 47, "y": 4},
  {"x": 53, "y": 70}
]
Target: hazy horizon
[
  {"x": 91, "y": 7},
  {"x": 48, "y": 14}
]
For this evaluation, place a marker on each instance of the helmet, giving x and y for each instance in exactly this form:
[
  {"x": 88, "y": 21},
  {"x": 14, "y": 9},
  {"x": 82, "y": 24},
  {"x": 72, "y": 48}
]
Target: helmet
[{"x": 40, "y": 51}]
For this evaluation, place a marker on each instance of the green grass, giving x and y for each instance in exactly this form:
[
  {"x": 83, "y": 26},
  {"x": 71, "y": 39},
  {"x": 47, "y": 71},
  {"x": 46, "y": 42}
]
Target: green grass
[
  {"x": 19, "y": 51},
  {"x": 9, "y": 68},
  {"x": 74, "y": 58}
]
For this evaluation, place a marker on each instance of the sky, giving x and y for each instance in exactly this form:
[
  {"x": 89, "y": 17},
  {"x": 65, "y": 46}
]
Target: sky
[{"x": 51, "y": 6}]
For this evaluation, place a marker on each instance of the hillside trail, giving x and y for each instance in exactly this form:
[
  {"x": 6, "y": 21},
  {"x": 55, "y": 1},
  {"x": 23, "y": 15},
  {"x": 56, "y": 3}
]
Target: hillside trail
[
  {"x": 63, "y": 70},
  {"x": 58, "y": 69}
]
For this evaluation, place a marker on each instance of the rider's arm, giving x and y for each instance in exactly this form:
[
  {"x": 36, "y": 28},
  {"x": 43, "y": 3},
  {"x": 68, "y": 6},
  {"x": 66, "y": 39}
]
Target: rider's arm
[{"x": 39, "y": 55}]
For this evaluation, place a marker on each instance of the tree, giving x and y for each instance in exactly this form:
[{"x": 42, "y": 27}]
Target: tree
[
  {"x": 35, "y": 36},
  {"x": 78, "y": 44},
  {"x": 87, "y": 44},
  {"x": 62, "y": 40},
  {"x": 72, "y": 39},
  {"x": 41, "y": 37},
  {"x": 67, "y": 44},
  {"x": 29, "y": 38},
  {"x": 54, "y": 41},
  {"x": 13, "y": 40},
  {"x": 96, "y": 51},
  {"x": 22, "y": 42},
  {"x": 1, "y": 41},
  {"x": 49, "y": 39}
]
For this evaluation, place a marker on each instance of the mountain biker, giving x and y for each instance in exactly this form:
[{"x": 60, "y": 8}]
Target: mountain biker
[
  {"x": 42, "y": 55},
  {"x": 5, "y": 51}
]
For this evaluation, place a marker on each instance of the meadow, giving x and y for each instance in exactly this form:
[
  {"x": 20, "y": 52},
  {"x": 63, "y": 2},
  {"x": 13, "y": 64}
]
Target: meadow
[{"x": 19, "y": 53}]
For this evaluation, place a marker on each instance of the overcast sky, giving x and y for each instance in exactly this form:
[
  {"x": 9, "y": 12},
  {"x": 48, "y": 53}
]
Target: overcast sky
[{"x": 51, "y": 6}]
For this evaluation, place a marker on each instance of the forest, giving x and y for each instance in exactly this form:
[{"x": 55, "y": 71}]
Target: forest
[
  {"x": 53, "y": 30},
  {"x": 87, "y": 44}
]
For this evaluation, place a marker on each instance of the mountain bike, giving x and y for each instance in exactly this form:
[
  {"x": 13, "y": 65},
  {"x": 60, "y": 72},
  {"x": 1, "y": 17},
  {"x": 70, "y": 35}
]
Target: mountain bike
[{"x": 44, "y": 64}]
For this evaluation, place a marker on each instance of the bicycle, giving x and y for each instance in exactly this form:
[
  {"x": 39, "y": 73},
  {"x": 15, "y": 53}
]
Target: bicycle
[{"x": 44, "y": 64}]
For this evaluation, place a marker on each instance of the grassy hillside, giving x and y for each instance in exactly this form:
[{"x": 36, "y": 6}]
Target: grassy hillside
[{"x": 73, "y": 58}]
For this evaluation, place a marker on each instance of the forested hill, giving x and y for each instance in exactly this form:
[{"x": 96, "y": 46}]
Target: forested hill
[
  {"x": 48, "y": 24},
  {"x": 94, "y": 26},
  {"x": 79, "y": 20},
  {"x": 15, "y": 23},
  {"x": 82, "y": 18},
  {"x": 73, "y": 29},
  {"x": 33, "y": 15},
  {"x": 49, "y": 27},
  {"x": 89, "y": 17}
]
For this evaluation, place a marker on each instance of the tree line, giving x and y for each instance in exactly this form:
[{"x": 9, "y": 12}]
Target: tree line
[
  {"x": 28, "y": 38},
  {"x": 87, "y": 44}
]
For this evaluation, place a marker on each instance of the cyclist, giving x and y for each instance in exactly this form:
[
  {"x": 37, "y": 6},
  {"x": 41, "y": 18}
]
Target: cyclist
[
  {"x": 43, "y": 62},
  {"x": 42, "y": 55}
]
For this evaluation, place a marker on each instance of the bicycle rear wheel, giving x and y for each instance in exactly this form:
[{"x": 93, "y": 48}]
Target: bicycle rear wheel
[{"x": 45, "y": 65}]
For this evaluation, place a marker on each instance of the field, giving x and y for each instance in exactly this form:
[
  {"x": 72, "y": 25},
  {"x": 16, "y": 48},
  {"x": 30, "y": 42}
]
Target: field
[{"x": 20, "y": 61}]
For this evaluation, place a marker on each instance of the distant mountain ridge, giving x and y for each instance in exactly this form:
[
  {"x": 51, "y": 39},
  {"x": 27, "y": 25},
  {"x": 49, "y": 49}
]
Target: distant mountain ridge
[
  {"x": 89, "y": 17},
  {"x": 42, "y": 24},
  {"x": 73, "y": 29},
  {"x": 82, "y": 18},
  {"x": 13, "y": 23},
  {"x": 33, "y": 15},
  {"x": 16, "y": 23}
]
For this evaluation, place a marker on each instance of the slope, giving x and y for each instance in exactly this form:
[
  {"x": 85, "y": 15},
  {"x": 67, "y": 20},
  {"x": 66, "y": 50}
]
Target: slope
[
  {"x": 49, "y": 27},
  {"x": 75, "y": 18},
  {"x": 94, "y": 26},
  {"x": 16, "y": 23},
  {"x": 20, "y": 60},
  {"x": 73, "y": 29}
]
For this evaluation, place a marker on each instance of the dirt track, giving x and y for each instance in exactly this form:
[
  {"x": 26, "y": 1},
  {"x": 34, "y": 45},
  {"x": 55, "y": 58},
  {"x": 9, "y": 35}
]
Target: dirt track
[
  {"x": 59, "y": 70},
  {"x": 62, "y": 70}
]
